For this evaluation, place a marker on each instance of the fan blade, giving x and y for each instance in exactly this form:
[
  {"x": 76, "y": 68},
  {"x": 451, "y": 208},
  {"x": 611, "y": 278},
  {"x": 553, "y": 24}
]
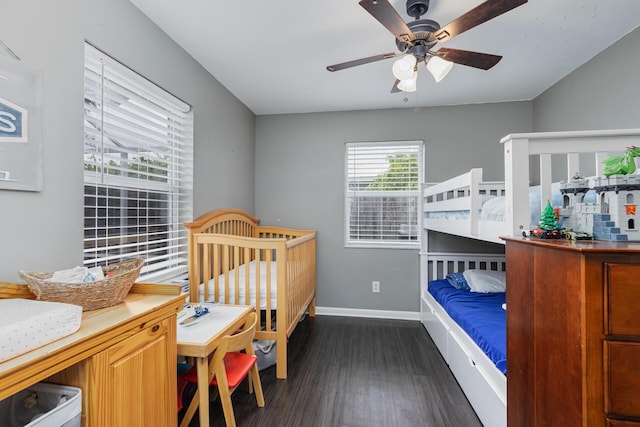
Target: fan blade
[
  {"x": 395, "y": 89},
  {"x": 484, "y": 61},
  {"x": 356, "y": 62},
  {"x": 476, "y": 16},
  {"x": 387, "y": 16}
]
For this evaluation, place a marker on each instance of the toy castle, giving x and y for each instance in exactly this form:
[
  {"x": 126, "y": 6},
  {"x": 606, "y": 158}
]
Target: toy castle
[{"x": 602, "y": 206}]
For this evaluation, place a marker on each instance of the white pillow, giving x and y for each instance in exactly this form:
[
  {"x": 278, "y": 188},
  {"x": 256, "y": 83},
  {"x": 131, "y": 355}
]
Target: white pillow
[{"x": 485, "y": 280}]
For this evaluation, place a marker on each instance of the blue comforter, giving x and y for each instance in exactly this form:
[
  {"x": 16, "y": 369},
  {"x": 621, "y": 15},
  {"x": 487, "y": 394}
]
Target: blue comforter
[{"x": 480, "y": 315}]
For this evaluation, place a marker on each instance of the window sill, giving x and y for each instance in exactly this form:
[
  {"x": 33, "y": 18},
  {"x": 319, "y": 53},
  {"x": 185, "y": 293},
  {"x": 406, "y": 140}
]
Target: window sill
[{"x": 395, "y": 245}]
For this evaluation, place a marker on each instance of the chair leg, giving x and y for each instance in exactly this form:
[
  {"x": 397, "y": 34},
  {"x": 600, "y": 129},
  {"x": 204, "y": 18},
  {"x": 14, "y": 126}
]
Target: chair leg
[
  {"x": 191, "y": 410},
  {"x": 257, "y": 385},
  {"x": 225, "y": 400}
]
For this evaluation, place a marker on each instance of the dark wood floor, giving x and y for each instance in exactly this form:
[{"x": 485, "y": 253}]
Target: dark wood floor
[{"x": 356, "y": 372}]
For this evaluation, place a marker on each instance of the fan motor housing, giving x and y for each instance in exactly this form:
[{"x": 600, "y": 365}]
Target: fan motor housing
[{"x": 423, "y": 29}]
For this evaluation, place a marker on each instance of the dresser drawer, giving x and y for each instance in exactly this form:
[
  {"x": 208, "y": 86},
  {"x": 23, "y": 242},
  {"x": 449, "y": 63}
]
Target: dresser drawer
[
  {"x": 622, "y": 423},
  {"x": 622, "y": 378},
  {"x": 622, "y": 298}
]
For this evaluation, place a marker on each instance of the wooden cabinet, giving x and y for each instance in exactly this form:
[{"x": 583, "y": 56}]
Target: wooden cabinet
[
  {"x": 135, "y": 380},
  {"x": 573, "y": 333},
  {"x": 123, "y": 358}
]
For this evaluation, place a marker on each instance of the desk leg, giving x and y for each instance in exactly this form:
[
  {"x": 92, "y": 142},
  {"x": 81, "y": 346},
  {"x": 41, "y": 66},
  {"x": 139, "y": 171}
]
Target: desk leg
[{"x": 203, "y": 389}]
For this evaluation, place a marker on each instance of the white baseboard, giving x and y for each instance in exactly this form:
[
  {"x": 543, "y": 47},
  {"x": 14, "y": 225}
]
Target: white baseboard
[{"x": 377, "y": 314}]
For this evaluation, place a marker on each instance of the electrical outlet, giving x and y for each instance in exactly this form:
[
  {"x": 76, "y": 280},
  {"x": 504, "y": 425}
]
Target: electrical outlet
[{"x": 375, "y": 287}]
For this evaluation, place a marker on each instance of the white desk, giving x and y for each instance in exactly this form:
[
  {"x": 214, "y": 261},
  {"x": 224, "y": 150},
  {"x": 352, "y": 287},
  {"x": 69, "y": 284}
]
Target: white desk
[{"x": 200, "y": 340}]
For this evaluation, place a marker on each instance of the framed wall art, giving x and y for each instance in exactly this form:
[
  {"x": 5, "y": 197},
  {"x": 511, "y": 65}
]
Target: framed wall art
[{"x": 20, "y": 126}]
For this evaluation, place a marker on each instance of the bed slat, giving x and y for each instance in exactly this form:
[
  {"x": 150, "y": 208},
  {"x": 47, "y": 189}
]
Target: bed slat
[{"x": 437, "y": 265}]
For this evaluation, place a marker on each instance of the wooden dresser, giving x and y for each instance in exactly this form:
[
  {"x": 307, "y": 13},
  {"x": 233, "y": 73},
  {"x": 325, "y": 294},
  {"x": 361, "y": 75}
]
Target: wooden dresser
[
  {"x": 573, "y": 333},
  {"x": 122, "y": 357}
]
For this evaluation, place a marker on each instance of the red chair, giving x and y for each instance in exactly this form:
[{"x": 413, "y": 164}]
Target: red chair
[{"x": 228, "y": 367}]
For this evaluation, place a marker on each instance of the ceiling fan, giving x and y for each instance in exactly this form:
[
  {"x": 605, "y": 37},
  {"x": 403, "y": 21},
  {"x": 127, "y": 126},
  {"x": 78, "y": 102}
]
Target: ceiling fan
[{"x": 416, "y": 39}]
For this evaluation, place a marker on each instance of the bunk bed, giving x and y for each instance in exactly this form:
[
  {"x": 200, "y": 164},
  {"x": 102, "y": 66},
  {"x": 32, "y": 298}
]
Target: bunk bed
[
  {"x": 458, "y": 206},
  {"x": 234, "y": 260}
]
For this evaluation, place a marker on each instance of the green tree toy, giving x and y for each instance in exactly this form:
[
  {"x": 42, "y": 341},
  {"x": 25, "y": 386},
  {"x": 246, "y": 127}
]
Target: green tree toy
[{"x": 548, "y": 219}]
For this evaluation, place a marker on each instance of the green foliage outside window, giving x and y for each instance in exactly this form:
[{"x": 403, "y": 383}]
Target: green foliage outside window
[
  {"x": 153, "y": 170},
  {"x": 402, "y": 174}
]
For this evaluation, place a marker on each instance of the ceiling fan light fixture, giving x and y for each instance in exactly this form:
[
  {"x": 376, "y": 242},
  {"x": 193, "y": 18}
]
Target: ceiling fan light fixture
[
  {"x": 439, "y": 67},
  {"x": 404, "y": 68},
  {"x": 409, "y": 85}
]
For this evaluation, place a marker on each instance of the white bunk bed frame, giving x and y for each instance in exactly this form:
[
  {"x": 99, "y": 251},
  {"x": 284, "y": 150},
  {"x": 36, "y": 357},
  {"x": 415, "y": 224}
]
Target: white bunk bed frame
[
  {"x": 466, "y": 192},
  {"x": 483, "y": 384}
]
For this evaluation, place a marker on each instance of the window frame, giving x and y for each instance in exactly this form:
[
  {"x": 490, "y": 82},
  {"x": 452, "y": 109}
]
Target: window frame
[
  {"x": 135, "y": 205},
  {"x": 349, "y": 194}
]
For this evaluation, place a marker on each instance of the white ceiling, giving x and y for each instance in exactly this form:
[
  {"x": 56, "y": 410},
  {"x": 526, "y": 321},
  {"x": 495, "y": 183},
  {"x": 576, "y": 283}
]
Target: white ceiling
[{"x": 272, "y": 54}]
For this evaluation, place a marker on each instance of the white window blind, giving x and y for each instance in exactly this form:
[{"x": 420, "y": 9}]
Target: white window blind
[
  {"x": 138, "y": 169},
  {"x": 382, "y": 193}
]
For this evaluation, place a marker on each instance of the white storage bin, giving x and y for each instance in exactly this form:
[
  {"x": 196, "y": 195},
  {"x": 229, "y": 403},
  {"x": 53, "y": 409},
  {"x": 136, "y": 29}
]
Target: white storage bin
[{"x": 43, "y": 405}]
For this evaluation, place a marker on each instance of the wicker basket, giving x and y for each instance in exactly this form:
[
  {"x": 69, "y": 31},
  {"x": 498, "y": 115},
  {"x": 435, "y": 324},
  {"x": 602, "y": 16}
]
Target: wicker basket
[{"x": 90, "y": 295}]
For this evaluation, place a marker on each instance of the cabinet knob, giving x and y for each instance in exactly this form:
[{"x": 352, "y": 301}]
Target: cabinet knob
[{"x": 155, "y": 328}]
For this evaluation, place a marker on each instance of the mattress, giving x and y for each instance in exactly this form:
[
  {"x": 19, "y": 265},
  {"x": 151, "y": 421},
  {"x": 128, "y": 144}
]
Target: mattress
[
  {"x": 28, "y": 324},
  {"x": 480, "y": 315},
  {"x": 252, "y": 280},
  {"x": 493, "y": 208}
]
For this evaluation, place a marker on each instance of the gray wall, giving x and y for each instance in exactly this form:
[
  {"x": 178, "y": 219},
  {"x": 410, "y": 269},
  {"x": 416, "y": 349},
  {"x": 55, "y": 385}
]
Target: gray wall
[
  {"x": 300, "y": 180},
  {"x": 602, "y": 94},
  {"x": 43, "y": 230},
  {"x": 298, "y": 170}
]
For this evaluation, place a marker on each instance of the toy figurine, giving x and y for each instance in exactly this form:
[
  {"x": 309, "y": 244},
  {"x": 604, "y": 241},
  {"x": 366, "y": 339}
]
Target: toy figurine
[{"x": 548, "y": 225}]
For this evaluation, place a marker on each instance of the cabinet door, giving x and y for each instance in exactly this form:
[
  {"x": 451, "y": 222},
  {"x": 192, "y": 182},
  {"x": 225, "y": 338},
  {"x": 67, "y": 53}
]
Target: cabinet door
[
  {"x": 622, "y": 378},
  {"x": 622, "y": 292},
  {"x": 136, "y": 379}
]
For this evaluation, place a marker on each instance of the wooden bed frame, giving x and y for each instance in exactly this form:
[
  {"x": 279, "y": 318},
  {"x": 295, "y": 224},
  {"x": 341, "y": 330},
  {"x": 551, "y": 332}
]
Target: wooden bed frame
[
  {"x": 223, "y": 240},
  {"x": 521, "y": 151}
]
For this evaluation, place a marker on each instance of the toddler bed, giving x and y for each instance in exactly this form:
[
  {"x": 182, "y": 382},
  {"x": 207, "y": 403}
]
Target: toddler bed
[
  {"x": 469, "y": 330},
  {"x": 234, "y": 260}
]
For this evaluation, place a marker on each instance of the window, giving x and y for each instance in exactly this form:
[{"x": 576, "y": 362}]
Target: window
[
  {"x": 382, "y": 193},
  {"x": 138, "y": 170}
]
